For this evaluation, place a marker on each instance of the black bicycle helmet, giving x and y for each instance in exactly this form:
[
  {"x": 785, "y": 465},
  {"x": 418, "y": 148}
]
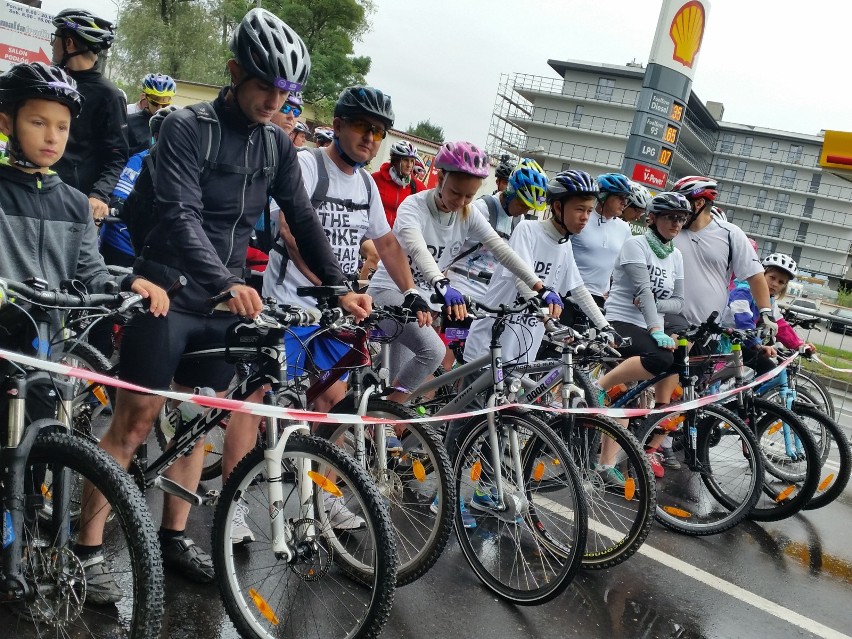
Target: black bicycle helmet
[
  {"x": 38, "y": 80},
  {"x": 360, "y": 100},
  {"x": 96, "y": 33},
  {"x": 570, "y": 182},
  {"x": 504, "y": 169},
  {"x": 670, "y": 202},
  {"x": 156, "y": 121},
  {"x": 270, "y": 50}
]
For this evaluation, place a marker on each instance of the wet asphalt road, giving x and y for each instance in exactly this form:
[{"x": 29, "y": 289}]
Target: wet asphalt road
[{"x": 786, "y": 579}]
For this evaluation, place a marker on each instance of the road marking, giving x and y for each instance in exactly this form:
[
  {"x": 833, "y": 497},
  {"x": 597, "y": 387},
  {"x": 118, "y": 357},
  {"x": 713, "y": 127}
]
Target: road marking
[{"x": 708, "y": 579}]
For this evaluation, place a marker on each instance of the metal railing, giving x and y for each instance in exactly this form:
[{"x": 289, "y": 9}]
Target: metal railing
[
  {"x": 567, "y": 119},
  {"x": 701, "y": 165},
  {"x": 581, "y": 90},
  {"x": 789, "y": 234},
  {"x": 740, "y": 150},
  {"x": 707, "y": 137},
  {"x": 775, "y": 180},
  {"x": 788, "y": 209}
]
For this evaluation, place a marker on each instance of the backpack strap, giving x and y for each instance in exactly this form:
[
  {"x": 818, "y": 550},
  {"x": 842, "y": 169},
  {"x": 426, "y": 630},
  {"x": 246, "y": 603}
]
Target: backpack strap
[
  {"x": 270, "y": 150},
  {"x": 320, "y": 193},
  {"x": 148, "y": 161}
]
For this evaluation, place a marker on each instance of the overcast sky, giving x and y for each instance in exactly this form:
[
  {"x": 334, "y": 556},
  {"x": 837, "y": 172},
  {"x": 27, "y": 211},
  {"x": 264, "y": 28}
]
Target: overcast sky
[{"x": 772, "y": 63}]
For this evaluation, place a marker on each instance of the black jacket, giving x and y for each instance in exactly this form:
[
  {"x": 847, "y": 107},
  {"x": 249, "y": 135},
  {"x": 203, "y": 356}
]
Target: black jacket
[
  {"x": 139, "y": 131},
  {"x": 203, "y": 232},
  {"x": 97, "y": 145}
]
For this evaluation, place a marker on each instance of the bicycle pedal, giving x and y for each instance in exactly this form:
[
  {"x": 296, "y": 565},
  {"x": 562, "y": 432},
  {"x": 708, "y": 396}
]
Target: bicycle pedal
[{"x": 173, "y": 488}]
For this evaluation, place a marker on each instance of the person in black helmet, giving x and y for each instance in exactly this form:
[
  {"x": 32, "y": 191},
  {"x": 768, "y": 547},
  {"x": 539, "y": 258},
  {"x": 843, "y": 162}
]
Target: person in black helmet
[
  {"x": 203, "y": 232},
  {"x": 97, "y": 149},
  {"x": 502, "y": 173}
]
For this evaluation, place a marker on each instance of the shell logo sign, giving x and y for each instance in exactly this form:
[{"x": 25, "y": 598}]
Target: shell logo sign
[{"x": 687, "y": 32}]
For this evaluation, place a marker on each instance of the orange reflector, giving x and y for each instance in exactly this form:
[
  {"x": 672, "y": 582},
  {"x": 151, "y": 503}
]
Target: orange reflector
[
  {"x": 538, "y": 473},
  {"x": 774, "y": 428},
  {"x": 671, "y": 423},
  {"x": 263, "y": 607},
  {"x": 418, "y": 470},
  {"x": 785, "y": 493},
  {"x": 100, "y": 393},
  {"x": 825, "y": 483},
  {"x": 556, "y": 462},
  {"x": 629, "y": 488},
  {"x": 476, "y": 471},
  {"x": 677, "y": 512},
  {"x": 208, "y": 448},
  {"x": 45, "y": 492},
  {"x": 325, "y": 483}
]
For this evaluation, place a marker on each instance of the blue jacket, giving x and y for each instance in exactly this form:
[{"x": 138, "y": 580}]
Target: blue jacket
[
  {"x": 741, "y": 312},
  {"x": 116, "y": 234}
]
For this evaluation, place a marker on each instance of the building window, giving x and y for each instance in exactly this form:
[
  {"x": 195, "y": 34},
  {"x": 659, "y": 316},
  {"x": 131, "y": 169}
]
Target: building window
[
  {"x": 802, "y": 234},
  {"x": 782, "y": 202},
  {"x": 809, "y": 207},
  {"x": 747, "y": 144},
  {"x": 755, "y": 223},
  {"x": 774, "y": 147},
  {"x": 741, "y": 171},
  {"x": 578, "y": 114},
  {"x": 789, "y": 178},
  {"x": 605, "y": 87},
  {"x": 721, "y": 167},
  {"x": 734, "y": 197},
  {"x": 761, "y": 198},
  {"x": 727, "y": 145},
  {"x": 795, "y": 155},
  {"x": 816, "y": 178},
  {"x": 769, "y": 248},
  {"x": 767, "y": 174},
  {"x": 774, "y": 226},
  {"x": 797, "y": 254}
]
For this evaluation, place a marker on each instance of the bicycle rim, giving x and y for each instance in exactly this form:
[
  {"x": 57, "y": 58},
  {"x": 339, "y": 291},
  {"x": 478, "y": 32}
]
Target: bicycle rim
[
  {"x": 529, "y": 548},
  {"x": 620, "y": 514},
  {"x": 717, "y": 489},
  {"x": 413, "y": 482},
  {"x": 818, "y": 391},
  {"x": 340, "y": 585},
  {"x": 63, "y": 603},
  {"x": 836, "y": 455}
]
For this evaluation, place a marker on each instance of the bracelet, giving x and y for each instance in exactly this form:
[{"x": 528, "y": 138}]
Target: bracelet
[
  {"x": 764, "y": 310},
  {"x": 410, "y": 291}
]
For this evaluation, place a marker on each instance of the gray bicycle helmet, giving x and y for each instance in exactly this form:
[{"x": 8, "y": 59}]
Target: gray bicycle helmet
[
  {"x": 670, "y": 202},
  {"x": 301, "y": 127},
  {"x": 403, "y": 149},
  {"x": 504, "y": 169},
  {"x": 96, "y": 33},
  {"x": 639, "y": 196},
  {"x": 361, "y": 100},
  {"x": 270, "y": 50},
  {"x": 572, "y": 182}
]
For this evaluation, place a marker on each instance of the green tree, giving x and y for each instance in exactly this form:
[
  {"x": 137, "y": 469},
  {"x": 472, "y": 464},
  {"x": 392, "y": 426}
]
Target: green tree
[{"x": 428, "y": 131}]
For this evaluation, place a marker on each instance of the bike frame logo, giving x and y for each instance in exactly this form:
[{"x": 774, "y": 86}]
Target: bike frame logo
[{"x": 687, "y": 32}]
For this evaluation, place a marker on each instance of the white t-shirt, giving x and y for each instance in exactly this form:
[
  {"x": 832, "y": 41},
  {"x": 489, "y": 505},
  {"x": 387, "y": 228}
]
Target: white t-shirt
[
  {"x": 444, "y": 233},
  {"x": 619, "y": 305},
  {"x": 596, "y": 249},
  {"x": 537, "y": 243},
  {"x": 344, "y": 229},
  {"x": 133, "y": 108},
  {"x": 466, "y": 273},
  {"x": 710, "y": 257}
]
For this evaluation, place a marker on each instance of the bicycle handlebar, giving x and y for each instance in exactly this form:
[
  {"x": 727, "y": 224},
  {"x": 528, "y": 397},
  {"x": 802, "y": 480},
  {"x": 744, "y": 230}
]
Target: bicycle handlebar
[{"x": 119, "y": 302}]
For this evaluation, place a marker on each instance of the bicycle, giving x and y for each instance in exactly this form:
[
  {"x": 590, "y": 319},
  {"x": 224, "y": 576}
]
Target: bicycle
[
  {"x": 528, "y": 544},
  {"x": 43, "y": 581}
]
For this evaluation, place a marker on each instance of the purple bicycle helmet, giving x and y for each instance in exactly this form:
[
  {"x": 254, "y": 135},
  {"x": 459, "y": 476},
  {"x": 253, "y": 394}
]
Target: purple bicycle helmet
[{"x": 462, "y": 157}]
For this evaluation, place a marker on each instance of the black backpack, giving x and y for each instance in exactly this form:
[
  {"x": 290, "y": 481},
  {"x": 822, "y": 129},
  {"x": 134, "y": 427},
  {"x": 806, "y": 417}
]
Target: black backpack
[{"x": 139, "y": 212}]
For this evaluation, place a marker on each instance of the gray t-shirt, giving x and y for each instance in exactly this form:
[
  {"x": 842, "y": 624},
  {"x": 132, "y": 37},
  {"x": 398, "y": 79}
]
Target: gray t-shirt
[{"x": 710, "y": 257}]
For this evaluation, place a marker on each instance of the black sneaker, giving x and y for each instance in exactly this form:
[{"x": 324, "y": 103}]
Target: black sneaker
[
  {"x": 183, "y": 556},
  {"x": 101, "y": 588},
  {"x": 669, "y": 459}
]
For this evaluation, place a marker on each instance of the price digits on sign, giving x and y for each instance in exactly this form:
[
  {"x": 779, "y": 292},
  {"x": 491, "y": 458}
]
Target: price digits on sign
[
  {"x": 665, "y": 157},
  {"x": 677, "y": 112},
  {"x": 670, "y": 136}
]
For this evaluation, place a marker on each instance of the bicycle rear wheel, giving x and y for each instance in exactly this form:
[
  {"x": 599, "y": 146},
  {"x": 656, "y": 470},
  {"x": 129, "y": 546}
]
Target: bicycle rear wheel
[
  {"x": 717, "y": 489},
  {"x": 817, "y": 390},
  {"x": 528, "y": 548},
  {"x": 622, "y": 500},
  {"x": 415, "y": 481},
  {"x": 835, "y": 454},
  {"x": 62, "y": 603},
  {"x": 339, "y": 584}
]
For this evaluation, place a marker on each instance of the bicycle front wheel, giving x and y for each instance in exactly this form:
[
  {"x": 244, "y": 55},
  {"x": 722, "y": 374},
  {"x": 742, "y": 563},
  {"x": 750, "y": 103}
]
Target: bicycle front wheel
[
  {"x": 621, "y": 498},
  {"x": 65, "y": 603},
  {"x": 835, "y": 454},
  {"x": 718, "y": 483},
  {"x": 340, "y": 581},
  {"x": 528, "y": 543}
]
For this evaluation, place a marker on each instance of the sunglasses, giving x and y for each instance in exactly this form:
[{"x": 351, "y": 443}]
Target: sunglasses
[
  {"x": 287, "y": 108},
  {"x": 676, "y": 219},
  {"x": 362, "y": 127},
  {"x": 157, "y": 104},
  {"x": 54, "y": 37}
]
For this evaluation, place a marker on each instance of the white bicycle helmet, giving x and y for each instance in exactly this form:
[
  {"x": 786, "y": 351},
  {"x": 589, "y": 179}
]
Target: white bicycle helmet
[
  {"x": 639, "y": 197},
  {"x": 782, "y": 261}
]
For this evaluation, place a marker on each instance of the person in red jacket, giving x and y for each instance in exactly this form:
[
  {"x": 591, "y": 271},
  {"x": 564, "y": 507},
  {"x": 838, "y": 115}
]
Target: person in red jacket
[{"x": 395, "y": 180}]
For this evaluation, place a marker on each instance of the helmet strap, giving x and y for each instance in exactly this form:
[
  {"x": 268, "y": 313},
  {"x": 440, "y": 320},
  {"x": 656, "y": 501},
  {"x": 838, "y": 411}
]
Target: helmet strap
[
  {"x": 560, "y": 221},
  {"x": 344, "y": 156},
  {"x": 694, "y": 215},
  {"x": 13, "y": 147}
]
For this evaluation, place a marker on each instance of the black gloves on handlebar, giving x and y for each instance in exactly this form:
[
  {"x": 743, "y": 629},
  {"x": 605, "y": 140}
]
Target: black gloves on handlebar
[{"x": 416, "y": 304}]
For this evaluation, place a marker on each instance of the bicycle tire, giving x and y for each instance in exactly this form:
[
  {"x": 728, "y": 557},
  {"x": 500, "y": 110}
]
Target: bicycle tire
[
  {"x": 248, "y": 604},
  {"x": 623, "y": 515},
  {"x": 788, "y": 484},
  {"x": 693, "y": 501},
  {"x": 812, "y": 383},
  {"x": 832, "y": 482},
  {"x": 552, "y": 532},
  {"x": 421, "y": 534},
  {"x": 130, "y": 542}
]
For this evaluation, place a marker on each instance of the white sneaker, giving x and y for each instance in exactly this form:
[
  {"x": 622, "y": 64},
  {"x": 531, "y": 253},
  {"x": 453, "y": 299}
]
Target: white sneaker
[
  {"x": 240, "y": 532},
  {"x": 340, "y": 517}
]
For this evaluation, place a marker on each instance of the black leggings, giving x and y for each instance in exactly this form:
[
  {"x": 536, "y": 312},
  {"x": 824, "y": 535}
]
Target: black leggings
[{"x": 654, "y": 359}]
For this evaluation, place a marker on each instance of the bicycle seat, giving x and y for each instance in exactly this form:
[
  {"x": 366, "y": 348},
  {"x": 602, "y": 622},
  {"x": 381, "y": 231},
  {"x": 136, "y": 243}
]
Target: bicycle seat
[{"x": 321, "y": 292}]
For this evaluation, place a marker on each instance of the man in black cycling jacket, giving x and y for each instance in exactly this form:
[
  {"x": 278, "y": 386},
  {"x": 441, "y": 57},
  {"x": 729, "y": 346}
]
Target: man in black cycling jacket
[
  {"x": 97, "y": 145},
  {"x": 203, "y": 233}
]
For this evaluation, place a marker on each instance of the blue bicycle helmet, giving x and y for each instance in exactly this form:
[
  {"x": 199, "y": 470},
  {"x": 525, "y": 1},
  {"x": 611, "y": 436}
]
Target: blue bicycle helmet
[
  {"x": 569, "y": 183},
  {"x": 613, "y": 184},
  {"x": 529, "y": 183},
  {"x": 158, "y": 85}
]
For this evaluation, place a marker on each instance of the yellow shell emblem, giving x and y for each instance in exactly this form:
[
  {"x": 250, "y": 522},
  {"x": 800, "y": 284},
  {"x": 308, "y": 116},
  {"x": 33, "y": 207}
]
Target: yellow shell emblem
[{"x": 687, "y": 31}]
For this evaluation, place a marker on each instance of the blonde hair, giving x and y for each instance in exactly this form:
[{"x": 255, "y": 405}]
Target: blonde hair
[{"x": 783, "y": 292}]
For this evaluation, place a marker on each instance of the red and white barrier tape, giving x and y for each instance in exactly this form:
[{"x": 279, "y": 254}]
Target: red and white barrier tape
[
  {"x": 819, "y": 360},
  {"x": 341, "y": 418}
]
